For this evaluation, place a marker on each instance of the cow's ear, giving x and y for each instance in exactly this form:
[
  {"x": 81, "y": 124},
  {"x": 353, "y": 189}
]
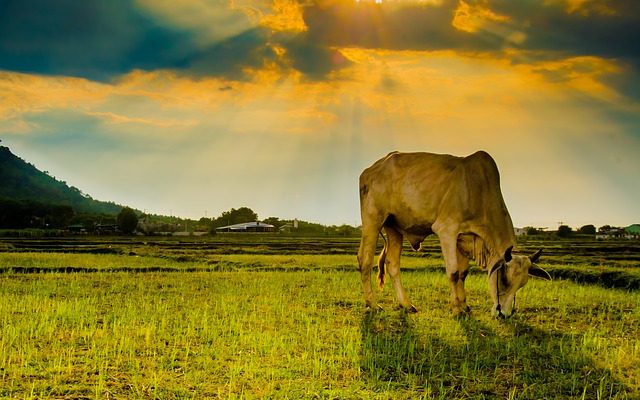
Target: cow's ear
[
  {"x": 507, "y": 254},
  {"x": 538, "y": 272},
  {"x": 497, "y": 266},
  {"x": 536, "y": 256}
]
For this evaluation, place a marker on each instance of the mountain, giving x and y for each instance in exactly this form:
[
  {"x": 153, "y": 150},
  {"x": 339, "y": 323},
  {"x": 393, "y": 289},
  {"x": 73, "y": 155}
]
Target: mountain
[{"x": 21, "y": 181}]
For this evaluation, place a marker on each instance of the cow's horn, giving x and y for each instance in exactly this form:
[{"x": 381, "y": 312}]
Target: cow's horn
[
  {"x": 507, "y": 254},
  {"x": 536, "y": 256}
]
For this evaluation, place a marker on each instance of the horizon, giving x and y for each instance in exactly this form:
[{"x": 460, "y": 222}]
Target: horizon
[
  {"x": 356, "y": 225},
  {"x": 195, "y": 108}
]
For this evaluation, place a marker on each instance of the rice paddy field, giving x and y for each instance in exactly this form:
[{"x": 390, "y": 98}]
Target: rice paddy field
[{"x": 244, "y": 317}]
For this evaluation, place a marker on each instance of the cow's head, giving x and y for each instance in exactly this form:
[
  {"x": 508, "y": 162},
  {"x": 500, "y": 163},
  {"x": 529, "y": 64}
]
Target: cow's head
[{"x": 510, "y": 274}]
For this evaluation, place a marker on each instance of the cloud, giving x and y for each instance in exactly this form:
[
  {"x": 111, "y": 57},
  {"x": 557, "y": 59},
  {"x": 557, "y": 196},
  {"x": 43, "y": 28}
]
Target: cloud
[
  {"x": 526, "y": 32},
  {"x": 396, "y": 26},
  {"x": 26, "y": 94},
  {"x": 233, "y": 56},
  {"x": 209, "y": 21},
  {"x": 559, "y": 26},
  {"x": 475, "y": 17},
  {"x": 93, "y": 39},
  {"x": 103, "y": 40},
  {"x": 286, "y": 16}
]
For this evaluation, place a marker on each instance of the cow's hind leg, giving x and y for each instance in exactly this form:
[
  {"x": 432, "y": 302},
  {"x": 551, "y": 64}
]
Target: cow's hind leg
[
  {"x": 394, "y": 248},
  {"x": 366, "y": 254},
  {"x": 457, "y": 266}
]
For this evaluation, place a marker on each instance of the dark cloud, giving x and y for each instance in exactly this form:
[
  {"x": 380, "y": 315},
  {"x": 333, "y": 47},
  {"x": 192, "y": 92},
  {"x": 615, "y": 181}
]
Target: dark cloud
[
  {"x": 547, "y": 31},
  {"x": 626, "y": 83},
  {"x": 414, "y": 25},
  {"x": 551, "y": 31},
  {"x": 99, "y": 40},
  {"x": 314, "y": 60},
  {"x": 89, "y": 38},
  {"x": 396, "y": 26},
  {"x": 227, "y": 58},
  {"x": 590, "y": 32}
]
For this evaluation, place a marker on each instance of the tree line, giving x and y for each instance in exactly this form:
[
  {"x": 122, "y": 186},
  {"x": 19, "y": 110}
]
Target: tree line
[
  {"x": 25, "y": 214},
  {"x": 29, "y": 214},
  {"x": 567, "y": 231}
]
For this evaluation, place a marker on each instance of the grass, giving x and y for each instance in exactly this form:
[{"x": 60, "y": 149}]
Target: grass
[{"x": 294, "y": 326}]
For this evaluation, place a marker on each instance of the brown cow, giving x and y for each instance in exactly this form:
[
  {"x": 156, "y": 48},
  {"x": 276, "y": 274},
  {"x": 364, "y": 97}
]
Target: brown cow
[{"x": 413, "y": 195}]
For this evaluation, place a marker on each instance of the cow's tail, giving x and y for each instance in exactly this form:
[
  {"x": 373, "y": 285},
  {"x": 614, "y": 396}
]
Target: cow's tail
[{"x": 381, "y": 263}]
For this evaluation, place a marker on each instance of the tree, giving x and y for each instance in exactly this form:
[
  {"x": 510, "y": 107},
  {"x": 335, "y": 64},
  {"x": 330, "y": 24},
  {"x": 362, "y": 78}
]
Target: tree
[
  {"x": 532, "y": 231},
  {"x": 275, "y": 221},
  {"x": 233, "y": 216},
  {"x": 605, "y": 228},
  {"x": 127, "y": 220},
  {"x": 345, "y": 230},
  {"x": 564, "y": 231},
  {"x": 587, "y": 230}
]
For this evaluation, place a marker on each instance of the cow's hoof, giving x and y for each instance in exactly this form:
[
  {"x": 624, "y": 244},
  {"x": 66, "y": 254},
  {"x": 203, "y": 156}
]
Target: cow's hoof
[
  {"x": 462, "y": 316},
  {"x": 410, "y": 309},
  {"x": 462, "y": 312}
]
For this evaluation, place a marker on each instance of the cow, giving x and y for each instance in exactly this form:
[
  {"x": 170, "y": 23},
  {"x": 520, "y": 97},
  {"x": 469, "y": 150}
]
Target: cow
[{"x": 413, "y": 195}]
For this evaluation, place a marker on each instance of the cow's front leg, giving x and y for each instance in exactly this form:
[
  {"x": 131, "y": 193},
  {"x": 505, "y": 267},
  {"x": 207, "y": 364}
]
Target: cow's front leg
[
  {"x": 458, "y": 294},
  {"x": 457, "y": 266}
]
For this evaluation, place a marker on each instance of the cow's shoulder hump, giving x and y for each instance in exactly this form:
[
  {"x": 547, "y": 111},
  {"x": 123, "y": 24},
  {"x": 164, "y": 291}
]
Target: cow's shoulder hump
[{"x": 481, "y": 162}]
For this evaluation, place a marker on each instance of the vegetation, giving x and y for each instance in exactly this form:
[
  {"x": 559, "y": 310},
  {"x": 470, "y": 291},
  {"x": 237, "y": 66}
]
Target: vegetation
[
  {"x": 587, "y": 230},
  {"x": 181, "y": 319},
  {"x": 233, "y": 216},
  {"x": 16, "y": 214},
  {"x": 127, "y": 220},
  {"x": 564, "y": 231}
]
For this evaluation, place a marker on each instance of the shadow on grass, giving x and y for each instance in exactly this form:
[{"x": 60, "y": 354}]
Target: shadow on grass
[{"x": 525, "y": 363}]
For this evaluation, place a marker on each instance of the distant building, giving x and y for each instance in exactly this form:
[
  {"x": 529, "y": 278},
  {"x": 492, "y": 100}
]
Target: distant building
[
  {"x": 286, "y": 227},
  {"x": 630, "y": 232},
  {"x": 106, "y": 229},
  {"x": 77, "y": 229},
  {"x": 520, "y": 231},
  {"x": 289, "y": 226},
  {"x": 248, "y": 227}
]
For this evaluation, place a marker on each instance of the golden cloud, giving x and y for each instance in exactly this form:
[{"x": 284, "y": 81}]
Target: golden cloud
[
  {"x": 31, "y": 94},
  {"x": 286, "y": 16},
  {"x": 474, "y": 18}
]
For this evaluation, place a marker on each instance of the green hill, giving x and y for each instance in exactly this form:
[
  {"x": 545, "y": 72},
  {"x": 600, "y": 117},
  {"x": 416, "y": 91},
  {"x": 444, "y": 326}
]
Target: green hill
[{"x": 23, "y": 184}]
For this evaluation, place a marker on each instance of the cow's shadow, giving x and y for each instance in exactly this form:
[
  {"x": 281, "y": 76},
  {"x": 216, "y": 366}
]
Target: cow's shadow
[{"x": 525, "y": 362}]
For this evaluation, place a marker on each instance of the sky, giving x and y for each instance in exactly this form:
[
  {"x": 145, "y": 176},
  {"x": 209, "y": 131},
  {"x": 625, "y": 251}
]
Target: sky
[{"x": 193, "y": 107}]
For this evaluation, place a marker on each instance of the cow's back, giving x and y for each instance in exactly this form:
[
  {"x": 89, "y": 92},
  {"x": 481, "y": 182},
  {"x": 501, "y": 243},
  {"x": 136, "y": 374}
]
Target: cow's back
[{"x": 413, "y": 183}]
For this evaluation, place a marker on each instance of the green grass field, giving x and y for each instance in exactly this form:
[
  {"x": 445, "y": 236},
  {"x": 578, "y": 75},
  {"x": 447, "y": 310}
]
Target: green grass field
[{"x": 294, "y": 326}]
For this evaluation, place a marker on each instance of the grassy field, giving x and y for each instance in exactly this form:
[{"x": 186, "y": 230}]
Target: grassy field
[{"x": 184, "y": 323}]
